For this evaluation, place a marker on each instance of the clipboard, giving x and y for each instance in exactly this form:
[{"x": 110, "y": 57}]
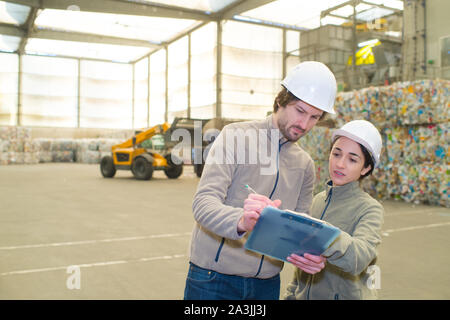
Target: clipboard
[{"x": 279, "y": 233}]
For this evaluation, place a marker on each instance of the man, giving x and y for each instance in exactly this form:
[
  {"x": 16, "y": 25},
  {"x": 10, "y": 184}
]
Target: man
[{"x": 220, "y": 267}]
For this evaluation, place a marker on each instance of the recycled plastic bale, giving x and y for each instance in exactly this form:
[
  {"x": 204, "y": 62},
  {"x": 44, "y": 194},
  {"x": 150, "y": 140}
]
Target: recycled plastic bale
[
  {"x": 4, "y": 159},
  {"x": 16, "y": 157},
  {"x": 4, "y": 145},
  {"x": 106, "y": 144},
  {"x": 62, "y": 156},
  {"x": 424, "y": 101},
  {"x": 62, "y": 145},
  {"x": 427, "y": 143},
  {"x": 8, "y": 133},
  {"x": 344, "y": 106},
  {"x": 383, "y": 183},
  {"x": 87, "y": 151},
  {"x": 425, "y": 183},
  {"x": 63, "y": 150},
  {"x": 45, "y": 156},
  {"x": 394, "y": 142},
  {"x": 317, "y": 143},
  {"x": 44, "y": 144},
  {"x": 322, "y": 175},
  {"x": 442, "y": 152},
  {"x": 23, "y": 133},
  {"x": 31, "y": 157}
]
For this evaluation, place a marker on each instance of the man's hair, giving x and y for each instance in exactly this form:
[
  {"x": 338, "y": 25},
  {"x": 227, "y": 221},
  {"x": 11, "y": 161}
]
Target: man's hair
[{"x": 284, "y": 97}]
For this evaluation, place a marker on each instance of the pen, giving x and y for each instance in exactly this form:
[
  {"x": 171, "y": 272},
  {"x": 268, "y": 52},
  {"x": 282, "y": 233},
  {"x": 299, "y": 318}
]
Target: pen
[{"x": 250, "y": 188}]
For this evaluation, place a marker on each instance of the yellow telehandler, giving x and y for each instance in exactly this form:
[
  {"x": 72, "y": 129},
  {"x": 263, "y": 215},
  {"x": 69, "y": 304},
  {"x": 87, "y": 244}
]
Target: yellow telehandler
[{"x": 134, "y": 155}]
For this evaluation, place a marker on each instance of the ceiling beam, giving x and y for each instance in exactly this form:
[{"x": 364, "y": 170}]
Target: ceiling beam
[
  {"x": 11, "y": 30},
  {"x": 28, "y": 27},
  {"x": 90, "y": 38},
  {"x": 329, "y": 10},
  {"x": 51, "y": 34},
  {"x": 119, "y": 7},
  {"x": 241, "y": 6}
]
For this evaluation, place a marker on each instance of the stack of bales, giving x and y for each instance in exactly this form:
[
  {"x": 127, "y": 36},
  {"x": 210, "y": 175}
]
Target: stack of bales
[
  {"x": 17, "y": 147},
  {"x": 413, "y": 118}
]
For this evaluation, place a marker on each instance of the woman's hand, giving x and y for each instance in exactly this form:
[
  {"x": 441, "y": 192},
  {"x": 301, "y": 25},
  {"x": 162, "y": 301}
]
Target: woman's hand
[
  {"x": 253, "y": 205},
  {"x": 308, "y": 263}
]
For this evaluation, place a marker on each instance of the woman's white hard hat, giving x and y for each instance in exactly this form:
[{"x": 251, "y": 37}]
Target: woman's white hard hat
[
  {"x": 364, "y": 133},
  {"x": 313, "y": 83}
]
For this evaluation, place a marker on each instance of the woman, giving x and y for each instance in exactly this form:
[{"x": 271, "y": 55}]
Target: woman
[{"x": 341, "y": 272}]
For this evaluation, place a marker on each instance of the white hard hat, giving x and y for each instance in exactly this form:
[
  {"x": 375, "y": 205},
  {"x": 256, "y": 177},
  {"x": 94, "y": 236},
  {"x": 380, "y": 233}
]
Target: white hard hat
[
  {"x": 314, "y": 83},
  {"x": 365, "y": 133}
]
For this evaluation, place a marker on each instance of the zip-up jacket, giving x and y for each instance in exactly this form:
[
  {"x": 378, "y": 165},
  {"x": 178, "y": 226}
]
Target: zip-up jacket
[
  {"x": 219, "y": 200},
  {"x": 345, "y": 276}
]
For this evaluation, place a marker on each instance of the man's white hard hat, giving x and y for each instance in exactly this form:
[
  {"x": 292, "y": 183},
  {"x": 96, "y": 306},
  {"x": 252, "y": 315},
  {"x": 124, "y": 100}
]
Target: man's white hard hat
[
  {"x": 365, "y": 133},
  {"x": 313, "y": 83}
]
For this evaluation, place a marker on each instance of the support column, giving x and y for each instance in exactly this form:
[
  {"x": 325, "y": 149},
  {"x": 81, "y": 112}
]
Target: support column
[{"x": 218, "y": 113}]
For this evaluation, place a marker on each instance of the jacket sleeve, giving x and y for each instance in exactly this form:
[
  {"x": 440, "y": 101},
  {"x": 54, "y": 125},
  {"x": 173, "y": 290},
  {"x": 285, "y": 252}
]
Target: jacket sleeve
[
  {"x": 208, "y": 203},
  {"x": 353, "y": 253},
  {"x": 306, "y": 192}
]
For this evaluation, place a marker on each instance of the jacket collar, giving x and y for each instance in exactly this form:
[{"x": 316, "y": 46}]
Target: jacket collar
[{"x": 342, "y": 192}]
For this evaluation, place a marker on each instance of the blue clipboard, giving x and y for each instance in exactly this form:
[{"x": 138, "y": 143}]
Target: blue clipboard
[{"x": 279, "y": 233}]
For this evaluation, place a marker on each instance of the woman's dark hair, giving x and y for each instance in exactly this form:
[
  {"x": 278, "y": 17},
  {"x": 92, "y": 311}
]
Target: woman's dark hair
[
  {"x": 367, "y": 159},
  {"x": 284, "y": 97}
]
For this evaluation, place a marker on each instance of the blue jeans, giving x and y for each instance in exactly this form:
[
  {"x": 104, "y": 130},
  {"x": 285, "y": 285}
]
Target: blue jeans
[{"x": 203, "y": 284}]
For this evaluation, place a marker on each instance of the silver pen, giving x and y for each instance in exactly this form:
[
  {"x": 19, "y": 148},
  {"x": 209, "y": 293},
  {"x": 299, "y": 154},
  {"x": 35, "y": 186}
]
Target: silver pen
[{"x": 250, "y": 189}]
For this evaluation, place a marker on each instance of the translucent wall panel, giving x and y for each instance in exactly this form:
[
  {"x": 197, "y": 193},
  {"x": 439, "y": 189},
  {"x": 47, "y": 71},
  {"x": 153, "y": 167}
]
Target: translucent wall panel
[
  {"x": 203, "y": 71},
  {"x": 12, "y": 13},
  {"x": 141, "y": 94},
  {"x": 9, "y": 44},
  {"x": 106, "y": 95},
  {"x": 9, "y": 68},
  {"x": 292, "y": 48},
  {"x": 49, "y": 91},
  {"x": 119, "y": 53},
  {"x": 251, "y": 69},
  {"x": 157, "y": 87},
  {"x": 178, "y": 79}
]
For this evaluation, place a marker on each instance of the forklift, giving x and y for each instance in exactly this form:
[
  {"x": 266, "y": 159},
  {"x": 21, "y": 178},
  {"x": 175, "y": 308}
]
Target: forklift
[{"x": 142, "y": 157}]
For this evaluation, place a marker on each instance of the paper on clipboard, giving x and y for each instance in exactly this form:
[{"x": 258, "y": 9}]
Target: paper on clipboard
[{"x": 279, "y": 233}]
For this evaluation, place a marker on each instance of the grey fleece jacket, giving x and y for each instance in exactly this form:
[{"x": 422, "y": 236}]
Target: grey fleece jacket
[
  {"x": 345, "y": 276},
  {"x": 219, "y": 200}
]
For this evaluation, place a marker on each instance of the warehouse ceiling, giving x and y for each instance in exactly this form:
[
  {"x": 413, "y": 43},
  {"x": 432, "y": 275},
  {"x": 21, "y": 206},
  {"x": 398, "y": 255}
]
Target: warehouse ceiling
[{"x": 126, "y": 30}]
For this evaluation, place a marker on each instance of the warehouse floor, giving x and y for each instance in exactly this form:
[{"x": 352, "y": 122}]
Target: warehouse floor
[{"x": 130, "y": 238}]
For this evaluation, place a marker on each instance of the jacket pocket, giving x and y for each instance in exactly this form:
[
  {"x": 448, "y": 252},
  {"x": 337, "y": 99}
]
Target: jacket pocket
[{"x": 198, "y": 274}]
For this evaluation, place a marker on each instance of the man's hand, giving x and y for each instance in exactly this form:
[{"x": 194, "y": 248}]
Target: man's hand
[
  {"x": 253, "y": 205},
  {"x": 308, "y": 263}
]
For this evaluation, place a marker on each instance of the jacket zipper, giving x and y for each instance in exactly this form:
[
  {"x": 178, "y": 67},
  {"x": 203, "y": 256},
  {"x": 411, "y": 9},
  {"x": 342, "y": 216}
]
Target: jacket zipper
[
  {"x": 220, "y": 249},
  {"x": 328, "y": 199},
  {"x": 328, "y": 203},
  {"x": 271, "y": 194}
]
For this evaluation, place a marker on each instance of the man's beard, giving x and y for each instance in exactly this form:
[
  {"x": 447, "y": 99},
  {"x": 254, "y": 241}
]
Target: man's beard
[{"x": 285, "y": 132}]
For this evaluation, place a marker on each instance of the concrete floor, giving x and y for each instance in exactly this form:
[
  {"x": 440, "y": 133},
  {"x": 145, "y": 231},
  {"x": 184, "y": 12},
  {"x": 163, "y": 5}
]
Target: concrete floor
[{"x": 130, "y": 238}]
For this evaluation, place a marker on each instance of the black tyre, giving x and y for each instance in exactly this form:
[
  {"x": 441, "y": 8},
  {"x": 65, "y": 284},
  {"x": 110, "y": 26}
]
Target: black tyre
[
  {"x": 173, "y": 170},
  {"x": 107, "y": 167},
  {"x": 142, "y": 169}
]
